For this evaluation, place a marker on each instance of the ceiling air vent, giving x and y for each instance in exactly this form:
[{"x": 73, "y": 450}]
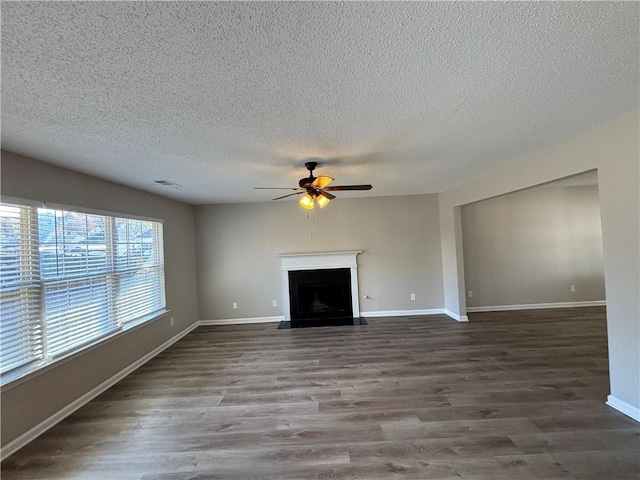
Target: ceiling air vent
[{"x": 167, "y": 183}]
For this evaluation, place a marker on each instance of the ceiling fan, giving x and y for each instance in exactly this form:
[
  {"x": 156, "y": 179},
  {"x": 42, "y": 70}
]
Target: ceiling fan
[{"x": 315, "y": 188}]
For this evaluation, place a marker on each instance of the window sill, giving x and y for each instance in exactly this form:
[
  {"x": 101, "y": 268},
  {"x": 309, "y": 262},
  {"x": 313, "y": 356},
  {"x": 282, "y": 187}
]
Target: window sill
[{"x": 24, "y": 374}]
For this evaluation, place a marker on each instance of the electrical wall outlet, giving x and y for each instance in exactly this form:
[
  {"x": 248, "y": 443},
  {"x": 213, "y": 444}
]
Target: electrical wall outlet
[
  {"x": 274, "y": 303},
  {"x": 235, "y": 305},
  {"x": 470, "y": 293},
  {"x": 172, "y": 321},
  {"x": 572, "y": 288},
  {"x": 413, "y": 296}
]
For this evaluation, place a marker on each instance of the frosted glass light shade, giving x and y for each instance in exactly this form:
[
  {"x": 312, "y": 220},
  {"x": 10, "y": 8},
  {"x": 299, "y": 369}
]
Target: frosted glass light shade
[
  {"x": 306, "y": 202},
  {"x": 322, "y": 201}
]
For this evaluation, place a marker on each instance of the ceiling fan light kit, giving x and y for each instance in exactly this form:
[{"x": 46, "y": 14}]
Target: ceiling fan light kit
[
  {"x": 308, "y": 203},
  {"x": 315, "y": 188}
]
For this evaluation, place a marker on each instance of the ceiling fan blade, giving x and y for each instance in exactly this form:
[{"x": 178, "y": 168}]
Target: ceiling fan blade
[
  {"x": 349, "y": 187},
  {"x": 326, "y": 194},
  {"x": 285, "y": 196},
  {"x": 321, "y": 182},
  {"x": 277, "y": 188}
]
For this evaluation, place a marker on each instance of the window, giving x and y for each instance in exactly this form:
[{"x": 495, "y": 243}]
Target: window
[
  {"x": 21, "y": 328},
  {"x": 69, "y": 279}
]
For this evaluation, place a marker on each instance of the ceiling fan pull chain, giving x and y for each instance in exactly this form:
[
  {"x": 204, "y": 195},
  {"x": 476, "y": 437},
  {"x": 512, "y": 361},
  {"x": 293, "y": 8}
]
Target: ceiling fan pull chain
[{"x": 312, "y": 218}]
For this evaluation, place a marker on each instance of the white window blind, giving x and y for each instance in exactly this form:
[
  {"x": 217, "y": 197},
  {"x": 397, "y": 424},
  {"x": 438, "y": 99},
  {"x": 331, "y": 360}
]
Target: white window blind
[
  {"x": 21, "y": 341},
  {"x": 76, "y": 313},
  {"x": 69, "y": 279},
  {"x": 77, "y": 289},
  {"x": 139, "y": 266}
]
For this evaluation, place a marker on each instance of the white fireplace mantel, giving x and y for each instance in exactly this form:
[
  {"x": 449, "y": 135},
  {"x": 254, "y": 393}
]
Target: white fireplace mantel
[{"x": 317, "y": 261}]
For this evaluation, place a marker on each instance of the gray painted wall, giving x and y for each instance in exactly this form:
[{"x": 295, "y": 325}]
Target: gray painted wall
[
  {"x": 530, "y": 246},
  {"x": 613, "y": 148},
  {"x": 238, "y": 247},
  {"x": 27, "y": 403}
]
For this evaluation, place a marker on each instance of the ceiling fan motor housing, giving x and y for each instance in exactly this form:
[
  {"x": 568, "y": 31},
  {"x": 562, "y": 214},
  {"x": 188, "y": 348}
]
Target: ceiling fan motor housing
[{"x": 306, "y": 181}]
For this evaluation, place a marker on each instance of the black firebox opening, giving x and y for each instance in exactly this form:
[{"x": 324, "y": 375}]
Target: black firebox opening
[{"x": 320, "y": 295}]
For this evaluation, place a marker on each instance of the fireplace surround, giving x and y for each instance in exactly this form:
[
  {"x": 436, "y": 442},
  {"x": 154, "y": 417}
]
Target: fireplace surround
[{"x": 317, "y": 280}]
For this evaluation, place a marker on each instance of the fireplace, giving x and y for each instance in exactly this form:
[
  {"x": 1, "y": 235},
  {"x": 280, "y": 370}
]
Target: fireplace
[
  {"x": 317, "y": 295},
  {"x": 320, "y": 288}
]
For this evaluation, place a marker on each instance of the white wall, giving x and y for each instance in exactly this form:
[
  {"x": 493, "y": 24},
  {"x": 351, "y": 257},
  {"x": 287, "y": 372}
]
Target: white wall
[
  {"x": 530, "y": 246},
  {"x": 613, "y": 149},
  {"x": 26, "y": 404},
  {"x": 238, "y": 247}
]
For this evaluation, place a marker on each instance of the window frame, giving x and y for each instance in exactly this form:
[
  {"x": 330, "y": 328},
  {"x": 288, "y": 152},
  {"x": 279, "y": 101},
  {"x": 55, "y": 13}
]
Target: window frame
[{"x": 19, "y": 374}]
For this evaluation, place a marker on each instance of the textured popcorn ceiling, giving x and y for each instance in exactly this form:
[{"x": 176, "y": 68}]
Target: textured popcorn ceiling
[{"x": 220, "y": 97}]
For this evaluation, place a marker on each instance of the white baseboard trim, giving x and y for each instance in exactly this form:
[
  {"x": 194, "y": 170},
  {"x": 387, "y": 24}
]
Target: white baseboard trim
[
  {"x": 240, "y": 321},
  {"x": 61, "y": 414},
  {"x": 381, "y": 313},
  {"x": 624, "y": 407},
  {"x": 536, "y": 306},
  {"x": 456, "y": 316},
  {"x": 402, "y": 313}
]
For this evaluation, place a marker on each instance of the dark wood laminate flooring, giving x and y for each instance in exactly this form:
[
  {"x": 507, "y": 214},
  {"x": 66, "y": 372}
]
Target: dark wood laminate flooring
[{"x": 510, "y": 395}]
